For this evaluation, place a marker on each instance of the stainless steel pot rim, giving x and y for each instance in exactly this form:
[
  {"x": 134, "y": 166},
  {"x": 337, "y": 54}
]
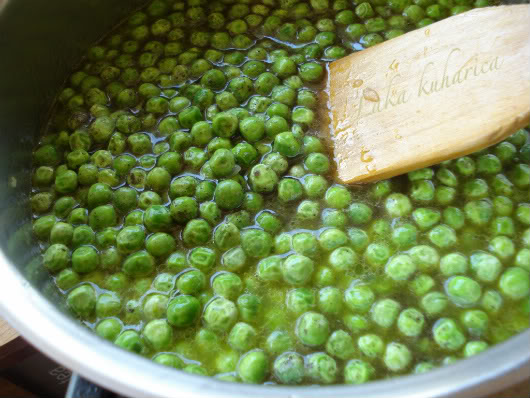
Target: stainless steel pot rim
[{"x": 77, "y": 348}]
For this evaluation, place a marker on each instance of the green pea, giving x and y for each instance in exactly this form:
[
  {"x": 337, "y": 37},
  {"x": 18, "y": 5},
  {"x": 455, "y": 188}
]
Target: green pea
[
  {"x": 83, "y": 235},
  {"x": 463, "y": 291},
  {"x": 434, "y": 303},
  {"x": 253, "y": 367},
  {"x": 453, "y": 264},
  {"x": 160, "y": 244},
  {"x": 522, "y": 213},
  {"x": 130, "y": 239},
  {"x": 447, "y": 334},
  {"x": 400, "y": 267},
  {"x": 157, "y": 218},
  {"x": 421, "y": 284},
  {"x": 371, "y": 345},
  {"x": 183, "y": 311},
  {"x": 404, "y": 236},
  {"x": 305, "y": 243},
  {"x": 330, "y": 300},
  {"x": 202, "y": 258},
  {"x": 343, "y": 259},
  {"x": 227, "y": 284},
  {"x": 196, "y": 232},
  {"x": 82, "y": 301},
  {"x": 317, "y": 163},
  {"x": 377, "y": 254},
  {"x": 288, "y": 368},
  {"x": 109, "y": 328},
  {"x": 249, "y": 306},
  {"x": 130, "y": 340},
  {"x": 357, "y": 371},
  {"x": 425, "y": 257},
  {"x": 191, "y": 282},
  {"x": 321, "y": 368},
  {"x": 475, "y": 321},
  {"x": 286, "y": 144},
  {"x": 312, "y": 329},
  {"x": 56, "y": 257},
  {"x": 242, "y": 337},
  {"x": 297, "y": 269},
  {"x": 289, "y": 190},
  {"x": 300, "y": 300},
  {"x": 67, "y": 279},
  {"x": 102, "y": 217},
  {"x": 256, "y": 243},
  {"x": 486, "y": 267},
  {"x": 158, "y": 333},
  {"x": 522, "y": 259},
  {"x": 85, "y": 259},
  {"x": 253, "y": 203},
  {"x": 140, "y": 263},
  {"x": 410, "y": 322},
  {"x": 398, "y": 205},
  {"x": 397, "y": 356},
  {"x": 226, "y": 235},
  {"x": 154, "y": 306},
  {"x": 491, "y": 301},
  {"x": 474, "y": 348},
  {"x": 421, "y": 174},
  {"x": 385, "y": 312},
  {"x": 422, "y": 191},
  {"x": 443, "y": 236},
  {"x": 502, "y": 247},
  {"x": 228, "y": 194},
  {"x": 514, "y": 283},
  {"x": 359, "y": 298}
]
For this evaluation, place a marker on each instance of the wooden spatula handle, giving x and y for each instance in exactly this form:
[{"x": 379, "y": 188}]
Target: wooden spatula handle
[{"x": 433, "y": 94}]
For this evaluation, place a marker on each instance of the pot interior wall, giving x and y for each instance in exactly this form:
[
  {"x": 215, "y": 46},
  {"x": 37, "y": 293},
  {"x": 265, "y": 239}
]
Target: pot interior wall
[{"x": 40, "y": 43}]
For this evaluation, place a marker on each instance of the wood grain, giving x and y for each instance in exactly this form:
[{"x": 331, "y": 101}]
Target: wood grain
[
  {"x": 13, "y": 348},
  {"x": 8, "y": 389},
  {"x": 433, "y": 94},
  {"x": 7, "y": 333}
]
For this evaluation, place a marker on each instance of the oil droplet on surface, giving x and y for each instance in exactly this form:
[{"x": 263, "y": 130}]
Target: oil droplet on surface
[
  {"x": 370, "y": 95},
  {"x": 394, "y": 65},
  {"x": 357, "y": 83},
  {"x": 365, "y": 157}
]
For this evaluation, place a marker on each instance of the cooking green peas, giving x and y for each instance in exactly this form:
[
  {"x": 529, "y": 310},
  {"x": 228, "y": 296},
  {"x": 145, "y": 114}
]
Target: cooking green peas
[{"x": 186, "y": 206}]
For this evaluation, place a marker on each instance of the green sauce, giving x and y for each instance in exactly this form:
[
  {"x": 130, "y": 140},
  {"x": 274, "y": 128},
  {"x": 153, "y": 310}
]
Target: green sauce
[{"x": 187, "y": 211}]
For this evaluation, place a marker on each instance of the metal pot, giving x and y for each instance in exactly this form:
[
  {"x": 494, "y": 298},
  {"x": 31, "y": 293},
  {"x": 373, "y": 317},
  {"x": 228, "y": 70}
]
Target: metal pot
[{"x": 40, "y": 42}]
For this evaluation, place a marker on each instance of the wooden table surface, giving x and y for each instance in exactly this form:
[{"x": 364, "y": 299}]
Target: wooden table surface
[{"x": 8, "y": 335}]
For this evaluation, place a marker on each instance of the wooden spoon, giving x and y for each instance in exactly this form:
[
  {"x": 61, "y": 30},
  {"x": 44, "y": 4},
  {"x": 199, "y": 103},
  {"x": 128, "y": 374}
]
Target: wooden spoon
[{"x": 433, "y": 94}]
